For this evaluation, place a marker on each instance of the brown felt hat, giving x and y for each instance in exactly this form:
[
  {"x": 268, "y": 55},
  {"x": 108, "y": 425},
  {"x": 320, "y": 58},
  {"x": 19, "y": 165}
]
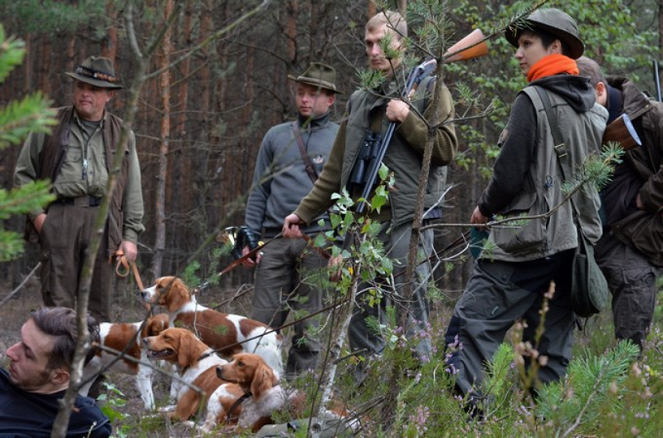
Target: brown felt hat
[
  {"x": 557, "y": 23},
  {"x": 319, "y": 75},
  {"x": 97, "y": 71}
]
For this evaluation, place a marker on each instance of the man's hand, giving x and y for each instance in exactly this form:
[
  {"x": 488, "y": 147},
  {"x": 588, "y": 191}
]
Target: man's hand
[
  {"x": 39, "y": 222},
  {"x": 397, "y": 110},
  {"x": 130, "y": 250},
  {"x": 478, "y": 218},
  {"x": 249, "y": 262},
  {"x": 335, "y": 264},
  {"x": 291, "y": 227}
]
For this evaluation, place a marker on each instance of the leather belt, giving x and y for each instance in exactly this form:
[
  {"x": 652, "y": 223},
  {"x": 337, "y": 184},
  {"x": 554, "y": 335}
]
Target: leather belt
[{"x": 80, "y": 201}]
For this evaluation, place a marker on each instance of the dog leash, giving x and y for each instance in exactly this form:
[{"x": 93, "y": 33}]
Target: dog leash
[{"x": 122, "y": 269}]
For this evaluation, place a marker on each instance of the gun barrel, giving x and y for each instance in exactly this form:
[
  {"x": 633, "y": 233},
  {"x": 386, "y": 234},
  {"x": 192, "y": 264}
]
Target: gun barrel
[{"x": 471, "y": 46}]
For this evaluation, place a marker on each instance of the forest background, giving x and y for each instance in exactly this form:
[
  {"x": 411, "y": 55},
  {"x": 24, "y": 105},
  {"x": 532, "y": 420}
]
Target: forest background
[{"x": 199, "y": 123}]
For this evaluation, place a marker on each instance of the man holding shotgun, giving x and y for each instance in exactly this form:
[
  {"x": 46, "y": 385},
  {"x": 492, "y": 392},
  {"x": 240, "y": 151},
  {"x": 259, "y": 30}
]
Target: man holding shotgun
[{"x": 369, "y": 114}]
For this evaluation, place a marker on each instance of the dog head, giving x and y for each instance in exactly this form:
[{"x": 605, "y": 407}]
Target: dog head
[
  {"x": 175, "y": 345},
  {"x": 170, "y": 292},
  {"x": 155, "y": 325},
  {"x": 250, "y": 372}
]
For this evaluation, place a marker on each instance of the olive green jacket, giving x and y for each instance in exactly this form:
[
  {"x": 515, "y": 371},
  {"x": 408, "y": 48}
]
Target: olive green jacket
[{"x": 366, "y": 110}]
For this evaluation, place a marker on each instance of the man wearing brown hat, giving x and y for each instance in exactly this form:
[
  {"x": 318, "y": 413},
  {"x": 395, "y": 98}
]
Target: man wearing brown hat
[
  {"x": 77, "y": 158},
  {"x": 291, "y": 157}
]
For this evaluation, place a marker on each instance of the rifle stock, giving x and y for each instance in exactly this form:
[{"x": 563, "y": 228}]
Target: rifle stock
[{"x": 469, "y": 47}]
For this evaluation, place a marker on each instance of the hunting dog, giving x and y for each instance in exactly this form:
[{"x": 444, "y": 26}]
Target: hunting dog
[
  {"x": 127, "y": 338},
  {"x": 261, "y": 384},
  {"x": 196, "y": 365},
  {"x": 227, "y": 334}
]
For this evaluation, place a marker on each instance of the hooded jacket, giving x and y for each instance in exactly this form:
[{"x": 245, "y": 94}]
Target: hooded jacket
[
  {"x": 527, "y": 179},
  {"x": 641, "y": 173}
]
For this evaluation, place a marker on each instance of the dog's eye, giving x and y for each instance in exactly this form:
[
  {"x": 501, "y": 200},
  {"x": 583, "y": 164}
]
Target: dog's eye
[{"x": 240, "y": 364}]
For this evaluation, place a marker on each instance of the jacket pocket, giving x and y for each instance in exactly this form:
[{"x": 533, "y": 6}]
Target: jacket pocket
[{"x": 522, "y": 235}]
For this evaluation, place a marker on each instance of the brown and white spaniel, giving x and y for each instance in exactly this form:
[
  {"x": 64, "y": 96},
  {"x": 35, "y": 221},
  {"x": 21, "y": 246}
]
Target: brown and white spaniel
[
  {"x": 227, "y": 334},
  {"x": 196, "y": 364},
  {"x": 265, "y": 395},
  {"x": 127, "y": 338}
]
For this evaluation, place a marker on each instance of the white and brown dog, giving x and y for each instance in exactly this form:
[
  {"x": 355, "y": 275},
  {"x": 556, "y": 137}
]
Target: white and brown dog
[
  {"x": 126, "y": 338},
  {"x": 196, "y": 364},
  {"x": 267, "y": 396},
  {"x": 227, "y": 334}
]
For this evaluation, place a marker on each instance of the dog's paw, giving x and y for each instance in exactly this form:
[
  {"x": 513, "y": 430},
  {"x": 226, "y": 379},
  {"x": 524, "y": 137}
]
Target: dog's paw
[{"x": 166, "y": 409}]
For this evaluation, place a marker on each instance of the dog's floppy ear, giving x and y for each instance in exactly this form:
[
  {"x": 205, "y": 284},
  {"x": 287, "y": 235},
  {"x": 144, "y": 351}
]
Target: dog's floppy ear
[
  {"x": 185, "y": 349},
  {"x": 263, "y": 379},
  {"x": 178, "y": 295}
]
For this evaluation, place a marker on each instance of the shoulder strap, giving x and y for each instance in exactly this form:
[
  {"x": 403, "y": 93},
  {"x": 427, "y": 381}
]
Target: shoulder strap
[
  {"x": 560, "y": 146},
  {"x": 302, "y": 150}
]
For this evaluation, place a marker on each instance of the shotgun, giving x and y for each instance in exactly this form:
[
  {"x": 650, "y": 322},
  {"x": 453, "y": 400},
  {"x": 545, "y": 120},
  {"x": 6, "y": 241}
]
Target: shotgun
[{"x": 471, "y": 46}]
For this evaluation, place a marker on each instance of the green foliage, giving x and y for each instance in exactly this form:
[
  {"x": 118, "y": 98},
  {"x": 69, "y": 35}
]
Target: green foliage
[
  {"x": 586, "y": 391},
  {"x": 49, "y": 16},
  {"x": 18, "y": 119}
]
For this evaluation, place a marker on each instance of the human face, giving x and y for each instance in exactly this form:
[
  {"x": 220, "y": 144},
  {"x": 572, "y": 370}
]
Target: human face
[
  {"x": 312, "y": 101},
  {"x": 90, "y": 101},
  {"x": 28, "y": 367},
  {"x": 531, "y": 50},
  {"x": 376, "y": 58}
]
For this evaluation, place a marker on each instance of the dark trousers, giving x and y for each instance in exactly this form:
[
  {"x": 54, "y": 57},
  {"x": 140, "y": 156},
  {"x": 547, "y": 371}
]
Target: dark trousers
[
  {"x": 286, "y": 280},
  {"x": 500, "y": 293},
  {"x": 362, "y": 332},
  {"x": 632, "y": 282},
  {"x": 65, "y": 237}
]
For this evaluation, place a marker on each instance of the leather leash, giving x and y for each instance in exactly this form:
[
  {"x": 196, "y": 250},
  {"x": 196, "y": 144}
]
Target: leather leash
[{"x": 122, "y": 269}]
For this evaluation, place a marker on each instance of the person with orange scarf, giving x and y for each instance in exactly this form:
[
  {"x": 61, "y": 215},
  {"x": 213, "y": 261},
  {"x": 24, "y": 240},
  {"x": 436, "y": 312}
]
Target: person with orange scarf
[{"x": 511, "y": 281}]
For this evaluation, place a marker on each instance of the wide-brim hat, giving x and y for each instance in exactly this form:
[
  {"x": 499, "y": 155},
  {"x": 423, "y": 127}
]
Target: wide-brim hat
[
  {"x": 555, "y": 22},
  {"x": 319, "y": 75},
  {"x": 97, "y": 71}
]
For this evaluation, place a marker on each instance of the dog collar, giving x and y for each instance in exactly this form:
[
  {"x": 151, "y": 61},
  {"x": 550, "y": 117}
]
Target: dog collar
[{"x": 238, "y": 402}]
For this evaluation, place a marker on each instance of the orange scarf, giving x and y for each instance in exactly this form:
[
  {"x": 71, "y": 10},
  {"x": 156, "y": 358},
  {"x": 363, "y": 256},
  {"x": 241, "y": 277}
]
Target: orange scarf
[{"x": 552, "y": 65}]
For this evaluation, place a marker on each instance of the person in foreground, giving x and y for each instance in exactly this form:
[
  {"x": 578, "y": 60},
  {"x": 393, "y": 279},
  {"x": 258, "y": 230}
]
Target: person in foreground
[
  {"x": 509, "y": 282},
  {"x": 630, "y": 252},
  {"x": 38, "y": 376},
  {"x": 369, "y": 114},
  {"x": 77, "y": 158},
  {"x": 291, "y": 157}
]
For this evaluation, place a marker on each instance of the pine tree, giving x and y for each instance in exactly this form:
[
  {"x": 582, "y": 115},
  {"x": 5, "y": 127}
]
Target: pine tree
[{"x": 17, "y": 120}]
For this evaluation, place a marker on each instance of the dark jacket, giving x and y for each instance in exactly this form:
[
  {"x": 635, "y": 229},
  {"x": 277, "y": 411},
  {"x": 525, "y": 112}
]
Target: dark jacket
[{"x": 640, "y": 173}]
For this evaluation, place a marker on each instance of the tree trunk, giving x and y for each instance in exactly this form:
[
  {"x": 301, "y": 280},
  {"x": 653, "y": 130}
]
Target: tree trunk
[{"x": 160, "y": 201}]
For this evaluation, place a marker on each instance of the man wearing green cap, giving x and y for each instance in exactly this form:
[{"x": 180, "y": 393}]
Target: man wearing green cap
[
  {"x": 77, "y": 158},
  {"x": 513, "y": 280},
  {"x": 290, "y": 159}
]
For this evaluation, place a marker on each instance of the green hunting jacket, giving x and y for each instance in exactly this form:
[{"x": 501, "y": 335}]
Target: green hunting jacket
[{"x": 366, "y": 110}]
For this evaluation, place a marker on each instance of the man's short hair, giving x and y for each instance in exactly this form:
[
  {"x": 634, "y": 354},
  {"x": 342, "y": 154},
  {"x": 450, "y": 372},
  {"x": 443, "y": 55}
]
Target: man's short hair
[
  {"x": 392, "y": 19},
  {"x": 61, "y": 323},
  {"x": 589, "y": 67}
]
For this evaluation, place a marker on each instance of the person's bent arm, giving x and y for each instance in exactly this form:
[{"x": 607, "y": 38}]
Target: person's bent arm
[{"x": 291, "y": 226}]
